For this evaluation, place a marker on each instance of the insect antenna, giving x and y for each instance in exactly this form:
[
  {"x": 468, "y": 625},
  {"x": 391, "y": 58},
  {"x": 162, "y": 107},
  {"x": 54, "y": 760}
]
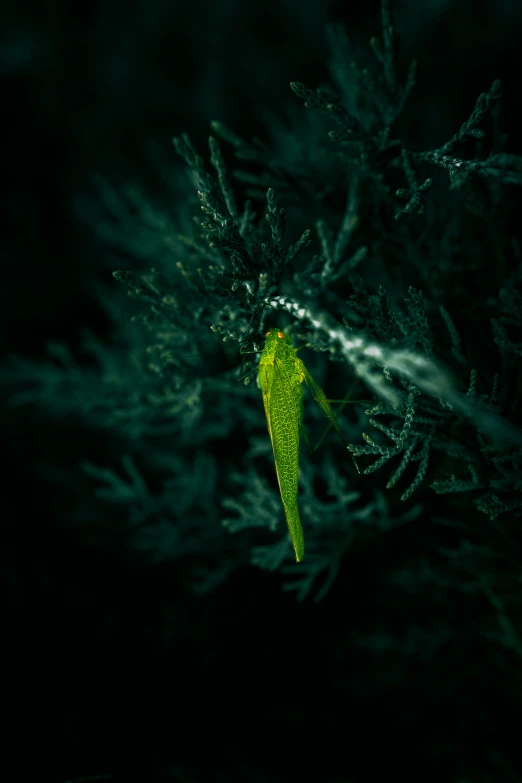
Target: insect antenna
[
  {"x": 249, "y": 373},
  {"x": 246, "y": 353}
]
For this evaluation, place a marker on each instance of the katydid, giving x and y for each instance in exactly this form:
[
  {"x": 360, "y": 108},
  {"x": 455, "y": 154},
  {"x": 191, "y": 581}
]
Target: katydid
[{"x": 281, "y": 374}]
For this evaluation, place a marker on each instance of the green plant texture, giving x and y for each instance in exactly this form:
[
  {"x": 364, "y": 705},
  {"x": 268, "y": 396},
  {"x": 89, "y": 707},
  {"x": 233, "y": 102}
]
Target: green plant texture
[{"x": 398, "y": 266}]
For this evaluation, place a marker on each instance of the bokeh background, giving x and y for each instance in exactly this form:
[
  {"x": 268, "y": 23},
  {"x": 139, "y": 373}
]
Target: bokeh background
[{"x": 117, "y": 668}]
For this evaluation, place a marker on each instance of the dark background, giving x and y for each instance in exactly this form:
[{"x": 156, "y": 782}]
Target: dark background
[{"x": 111, "y": 666}]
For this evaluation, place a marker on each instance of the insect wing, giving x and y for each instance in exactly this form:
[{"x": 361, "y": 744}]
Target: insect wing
[{"x": 282, "y": 401}]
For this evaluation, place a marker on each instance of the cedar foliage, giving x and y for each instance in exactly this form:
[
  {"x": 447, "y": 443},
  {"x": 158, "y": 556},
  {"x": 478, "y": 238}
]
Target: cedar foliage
[{"x": 400, "y": 268}]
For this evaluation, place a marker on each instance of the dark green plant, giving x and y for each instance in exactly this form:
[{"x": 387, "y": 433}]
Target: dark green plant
[{"x": 335, "y": 230}]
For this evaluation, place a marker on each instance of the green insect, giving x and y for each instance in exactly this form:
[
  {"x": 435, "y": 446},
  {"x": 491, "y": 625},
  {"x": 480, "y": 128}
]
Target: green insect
[{"x": 280, "y": 375}]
